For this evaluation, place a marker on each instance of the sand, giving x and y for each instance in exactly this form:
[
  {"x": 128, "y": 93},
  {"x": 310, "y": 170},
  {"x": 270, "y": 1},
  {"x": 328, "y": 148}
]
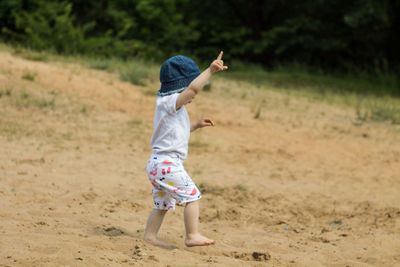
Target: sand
[{"x": 301, "y": 185}]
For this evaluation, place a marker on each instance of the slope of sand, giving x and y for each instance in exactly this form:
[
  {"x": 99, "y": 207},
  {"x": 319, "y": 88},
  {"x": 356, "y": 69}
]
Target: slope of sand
[{"x": 299, "y": 186}]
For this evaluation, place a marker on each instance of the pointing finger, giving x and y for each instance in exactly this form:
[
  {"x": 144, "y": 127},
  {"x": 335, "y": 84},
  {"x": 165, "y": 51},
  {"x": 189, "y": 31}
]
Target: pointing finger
[{"x": 220, "y": 55}]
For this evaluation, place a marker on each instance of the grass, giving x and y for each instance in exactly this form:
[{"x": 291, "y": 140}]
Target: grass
[
  {"x": 207, "y": 87},
  {"x": 100, "y": 64},
  {"x": 30, "y": 76},
  {"x": 22, "y": 97},
  {"x": 374, "y": 97},
  {"x": 6, "y": 91},
  {"x": 135, "y": 75},
  {"x": 300, "y": 77},
  {"x": 27, "y": 100},
  {"x": 135, "y": 71},
  {"x": 377, "y": 111},
  {"x": 10, "y": 128},
  {"x": 31, "y": 55}
]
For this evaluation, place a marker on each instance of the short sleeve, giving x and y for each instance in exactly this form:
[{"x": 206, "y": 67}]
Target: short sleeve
[{"x": 169, "y": 103}]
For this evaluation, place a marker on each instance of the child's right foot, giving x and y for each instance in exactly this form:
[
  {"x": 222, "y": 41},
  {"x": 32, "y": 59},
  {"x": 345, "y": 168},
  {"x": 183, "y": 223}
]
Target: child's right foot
[
  {"x": 198, "y": 240},
  {"x": 159, "y": 243}
]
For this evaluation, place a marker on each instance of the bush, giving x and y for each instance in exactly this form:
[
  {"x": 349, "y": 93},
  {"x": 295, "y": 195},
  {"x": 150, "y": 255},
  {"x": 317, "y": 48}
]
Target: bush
[{"x": 50, "y": 25}]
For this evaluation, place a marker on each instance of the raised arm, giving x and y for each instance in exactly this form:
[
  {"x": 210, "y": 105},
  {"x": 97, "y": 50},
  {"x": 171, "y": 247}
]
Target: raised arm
[{"x": 197, "y": 84}]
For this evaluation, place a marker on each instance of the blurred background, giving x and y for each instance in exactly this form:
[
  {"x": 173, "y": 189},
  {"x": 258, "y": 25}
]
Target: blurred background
[
  {"x": 332, "y": 35},
  {"x": 349, "y": 39}
]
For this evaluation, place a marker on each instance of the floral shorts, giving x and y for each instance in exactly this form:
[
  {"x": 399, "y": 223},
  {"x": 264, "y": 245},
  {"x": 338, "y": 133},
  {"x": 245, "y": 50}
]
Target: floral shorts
[{"x": 170, "y": 182}]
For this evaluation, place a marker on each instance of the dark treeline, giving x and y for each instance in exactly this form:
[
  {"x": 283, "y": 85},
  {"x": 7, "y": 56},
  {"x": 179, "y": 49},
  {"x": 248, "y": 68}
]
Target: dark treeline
[{"x": 329, "y": 34}]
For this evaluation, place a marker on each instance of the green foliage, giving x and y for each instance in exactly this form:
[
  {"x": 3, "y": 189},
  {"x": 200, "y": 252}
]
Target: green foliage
[
  {"x": 207, "y": 86},
  {"x": 385, "y": 113},
  {"x": 375, "y": 110},
  {"x": 30, "y": 76},
  {"x": 301, "y": 77},
  {"x": 49, "y": 25},
  {"x": 29, "y": 100},
  {"x": 135, "y": 74},
  {"x": 100, "y": 64},
  {"x": 32, "y": 55},
  {"x": 331, "y": 35}
]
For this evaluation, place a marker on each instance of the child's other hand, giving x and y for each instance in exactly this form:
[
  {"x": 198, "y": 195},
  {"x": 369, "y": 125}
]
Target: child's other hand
[
  {"x": 218, "y": 64},
  {"x": 205, "y": 122}
]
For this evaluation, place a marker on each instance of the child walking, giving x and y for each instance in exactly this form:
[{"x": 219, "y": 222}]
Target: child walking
[{"x": 181, "y": 81}]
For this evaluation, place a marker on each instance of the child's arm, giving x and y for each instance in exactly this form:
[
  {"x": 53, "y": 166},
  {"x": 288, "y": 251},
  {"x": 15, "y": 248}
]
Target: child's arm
[
  {"x": 197, "y": 84},
  {"x": 201, "y": 123}
]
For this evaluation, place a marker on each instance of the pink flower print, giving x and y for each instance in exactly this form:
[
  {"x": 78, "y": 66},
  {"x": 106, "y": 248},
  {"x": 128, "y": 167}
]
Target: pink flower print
[
  {"x": 154, "y": 173},
  {"x": 193, "y": 192}
]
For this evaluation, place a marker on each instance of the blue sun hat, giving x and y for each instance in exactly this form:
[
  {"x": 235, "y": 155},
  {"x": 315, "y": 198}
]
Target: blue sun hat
[{"x": 176, "y": 74}]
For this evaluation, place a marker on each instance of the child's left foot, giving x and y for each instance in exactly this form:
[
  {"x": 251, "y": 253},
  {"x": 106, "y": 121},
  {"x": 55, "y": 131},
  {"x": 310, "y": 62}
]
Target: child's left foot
[{"x": 198, "y": 240}]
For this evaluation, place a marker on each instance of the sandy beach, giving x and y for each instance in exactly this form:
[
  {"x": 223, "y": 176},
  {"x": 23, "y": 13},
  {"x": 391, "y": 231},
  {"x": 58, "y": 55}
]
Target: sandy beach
[{"x": 298, "y": 184}]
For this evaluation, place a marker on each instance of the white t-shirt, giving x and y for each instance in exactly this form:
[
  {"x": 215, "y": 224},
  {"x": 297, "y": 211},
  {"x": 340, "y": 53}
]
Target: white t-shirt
[{"x": 171, "y": 127}]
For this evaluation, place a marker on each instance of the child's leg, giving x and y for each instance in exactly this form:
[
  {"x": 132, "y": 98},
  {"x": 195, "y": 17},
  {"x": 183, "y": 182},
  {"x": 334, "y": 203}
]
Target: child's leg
[
  {"x": 153, "y": 225},
  {"x": 191, "y": 216}
]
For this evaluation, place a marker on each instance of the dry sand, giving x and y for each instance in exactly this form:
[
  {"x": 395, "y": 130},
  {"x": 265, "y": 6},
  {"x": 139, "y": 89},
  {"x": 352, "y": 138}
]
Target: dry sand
[{"x": 299, "y": 186}]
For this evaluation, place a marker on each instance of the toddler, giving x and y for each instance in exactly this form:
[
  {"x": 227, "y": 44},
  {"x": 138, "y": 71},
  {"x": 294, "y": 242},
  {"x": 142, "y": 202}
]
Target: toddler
[{"x": 181, "y": 81}]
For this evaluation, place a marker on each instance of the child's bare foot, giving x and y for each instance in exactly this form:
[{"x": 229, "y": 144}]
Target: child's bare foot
[
  {"x": 159, "y": 243},
  {"x": 198, "y": 240}
]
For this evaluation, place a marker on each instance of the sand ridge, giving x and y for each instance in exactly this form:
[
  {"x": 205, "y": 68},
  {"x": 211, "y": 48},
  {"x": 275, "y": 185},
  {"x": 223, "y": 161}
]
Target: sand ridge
[{"x": 299, "y": 186}]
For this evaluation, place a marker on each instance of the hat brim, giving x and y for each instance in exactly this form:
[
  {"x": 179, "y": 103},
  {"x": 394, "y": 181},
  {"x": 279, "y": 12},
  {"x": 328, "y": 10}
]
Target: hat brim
[
  {"x": 175, "y": 86},
  {"x": 159, "y": 93}
]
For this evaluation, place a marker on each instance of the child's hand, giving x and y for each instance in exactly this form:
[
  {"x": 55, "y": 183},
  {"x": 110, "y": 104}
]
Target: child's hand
[
  {"x": 218, "y": 64},
  {"x": 205, "y": 122},
  {"x": 201, "y": 123}
]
